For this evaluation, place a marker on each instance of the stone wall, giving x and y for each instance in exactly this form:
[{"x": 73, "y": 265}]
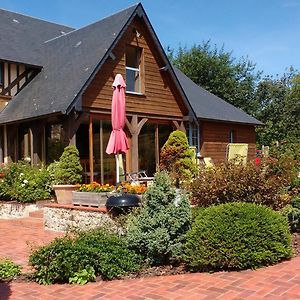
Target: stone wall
[
  {"x": 16, "y": 210},
  {"x": 68, "y": 218}
]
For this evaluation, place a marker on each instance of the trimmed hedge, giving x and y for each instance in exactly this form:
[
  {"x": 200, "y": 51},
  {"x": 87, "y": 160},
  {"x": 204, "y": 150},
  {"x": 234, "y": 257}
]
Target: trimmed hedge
[
  {"x": 80, "y": 259},
  {"x": 236, "y": 236}
]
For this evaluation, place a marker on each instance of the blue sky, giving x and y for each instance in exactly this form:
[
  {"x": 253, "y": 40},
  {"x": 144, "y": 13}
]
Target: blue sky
[{"x": 267, "y": 31}]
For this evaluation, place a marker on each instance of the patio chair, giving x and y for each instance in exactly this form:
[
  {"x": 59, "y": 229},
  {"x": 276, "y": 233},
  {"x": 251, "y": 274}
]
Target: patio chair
[{"x": 139, "y": 177}]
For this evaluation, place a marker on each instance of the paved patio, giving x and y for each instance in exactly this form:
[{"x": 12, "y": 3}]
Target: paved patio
[{"x": 277, "y": 282}]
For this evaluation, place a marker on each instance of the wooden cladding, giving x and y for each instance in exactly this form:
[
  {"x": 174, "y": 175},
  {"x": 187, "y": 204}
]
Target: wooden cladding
[
  {"x": 215, "y": 138},
  {"x": 159, "y": 96}
]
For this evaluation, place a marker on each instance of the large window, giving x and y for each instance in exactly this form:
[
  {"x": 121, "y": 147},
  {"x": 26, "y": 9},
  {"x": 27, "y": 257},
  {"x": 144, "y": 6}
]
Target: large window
[
  {"x": 1, "y": 74},
  {"x": 133, "y": 69}
]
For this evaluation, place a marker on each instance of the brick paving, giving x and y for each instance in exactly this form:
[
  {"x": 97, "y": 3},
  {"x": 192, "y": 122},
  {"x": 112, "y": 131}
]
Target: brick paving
[{"x": 281, "y": 281}]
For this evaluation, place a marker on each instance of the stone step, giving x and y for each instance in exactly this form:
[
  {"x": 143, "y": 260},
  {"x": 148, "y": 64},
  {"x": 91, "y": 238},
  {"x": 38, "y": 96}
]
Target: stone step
[
  {"x": 29, "y": 222},
  {"x": 38, "y": 214}
]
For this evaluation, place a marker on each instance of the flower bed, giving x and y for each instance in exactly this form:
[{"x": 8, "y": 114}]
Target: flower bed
[
  {"x": 93, "y": 194},
  {"x": 96, "y": 194}
]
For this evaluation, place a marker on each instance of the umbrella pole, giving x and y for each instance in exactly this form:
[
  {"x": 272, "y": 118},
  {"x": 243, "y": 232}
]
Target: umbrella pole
[{"x": 117, "y": 169}]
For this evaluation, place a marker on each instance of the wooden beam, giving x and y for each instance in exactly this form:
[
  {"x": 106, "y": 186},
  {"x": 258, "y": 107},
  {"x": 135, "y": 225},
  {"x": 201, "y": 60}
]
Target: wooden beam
[
  {"x": 91, "y": 150},
  {"x": 156, "y": 146},
  {"x": 101, "y": 152},
  {"x": 180, "y": 126},
  {"x": 44, "y": 145},
  {"x": 1, "y": 146},
  {"x": 31, "y": 145},
  {"x": 5, "y": 146},
  {"x": 135, "y": 128},
  {"x": 14, "y": 83}
]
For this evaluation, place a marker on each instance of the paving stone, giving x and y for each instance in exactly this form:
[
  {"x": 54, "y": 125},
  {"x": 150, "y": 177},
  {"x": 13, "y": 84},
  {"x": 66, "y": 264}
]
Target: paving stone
[{"x": 18, "y": 237}]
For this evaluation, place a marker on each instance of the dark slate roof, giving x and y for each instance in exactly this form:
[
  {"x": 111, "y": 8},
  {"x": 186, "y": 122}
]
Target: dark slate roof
[
  {"x": 208, "y": 106},
  {"x": 21, "y": 37},
  {"x": 68, "y": 63}
]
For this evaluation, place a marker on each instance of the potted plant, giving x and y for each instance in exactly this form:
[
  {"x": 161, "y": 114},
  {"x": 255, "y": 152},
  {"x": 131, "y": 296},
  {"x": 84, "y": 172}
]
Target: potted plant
[
  {"x": 93, "y": 194},
  {"x": 66, "y": 173}
]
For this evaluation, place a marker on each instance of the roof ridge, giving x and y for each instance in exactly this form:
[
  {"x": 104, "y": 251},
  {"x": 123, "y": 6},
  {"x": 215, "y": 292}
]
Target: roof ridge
[
  {"x": 35, "y": 18},
  {"x": 91, "y": 24}
]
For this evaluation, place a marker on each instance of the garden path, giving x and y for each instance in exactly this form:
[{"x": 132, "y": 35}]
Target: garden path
[{"x": 276, "y": 282}]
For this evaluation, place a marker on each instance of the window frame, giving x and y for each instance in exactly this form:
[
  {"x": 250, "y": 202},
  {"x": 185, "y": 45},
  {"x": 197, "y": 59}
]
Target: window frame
[{"x": 139, "y": 70}]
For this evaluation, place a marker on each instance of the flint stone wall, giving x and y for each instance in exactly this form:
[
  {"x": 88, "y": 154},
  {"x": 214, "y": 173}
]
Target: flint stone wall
[
  {"x": 16, "y": 210},
  {"x": 68, "y": 219}
]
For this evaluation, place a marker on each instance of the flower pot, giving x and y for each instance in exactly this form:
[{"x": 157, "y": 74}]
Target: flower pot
[
  {"x": 63, "y": 193},
  {"x": 90, "y": 198}
]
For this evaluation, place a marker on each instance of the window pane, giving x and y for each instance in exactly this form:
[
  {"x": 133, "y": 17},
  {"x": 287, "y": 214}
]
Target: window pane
[
  {"x": 133, "y": 57},
  {"x": 133, "y": 81}
]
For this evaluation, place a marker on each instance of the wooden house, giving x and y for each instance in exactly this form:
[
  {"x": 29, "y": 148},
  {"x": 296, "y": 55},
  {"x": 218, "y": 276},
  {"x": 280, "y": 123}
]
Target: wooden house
[{"x": 56, "y": 90}]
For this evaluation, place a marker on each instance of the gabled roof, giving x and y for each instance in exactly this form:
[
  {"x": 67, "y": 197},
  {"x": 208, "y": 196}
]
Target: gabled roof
[
  {"x": 21, "y": 37},
  {"x": 210, "y": 107},
  {"x": 69, "y": 61}
]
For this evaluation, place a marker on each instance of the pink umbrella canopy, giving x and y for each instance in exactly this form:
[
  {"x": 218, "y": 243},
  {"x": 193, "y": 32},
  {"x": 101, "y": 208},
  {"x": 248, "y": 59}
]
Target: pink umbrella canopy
[{"x": 118, "y": 142}]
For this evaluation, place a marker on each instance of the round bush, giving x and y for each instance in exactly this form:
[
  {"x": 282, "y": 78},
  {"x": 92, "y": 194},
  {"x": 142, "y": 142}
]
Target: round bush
[{"x": 235, "y": 236}]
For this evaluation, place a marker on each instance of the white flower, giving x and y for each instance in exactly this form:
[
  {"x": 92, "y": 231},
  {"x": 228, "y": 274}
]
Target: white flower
[
  {"x": 25, "y": 181},
  {"x": 21, "y": 174},
  {"x": 28, "y": 159},
  {"x": 22, "y": 184}
]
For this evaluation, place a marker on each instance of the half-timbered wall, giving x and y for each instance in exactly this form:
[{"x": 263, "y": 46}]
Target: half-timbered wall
[
  {"x": 11, "y": 84},
  {"x": 215, "y": 138},
  {"x": 159, "y": 96}
]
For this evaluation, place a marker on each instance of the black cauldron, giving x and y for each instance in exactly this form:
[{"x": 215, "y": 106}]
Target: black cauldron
[{"x": 122, "y": 204}]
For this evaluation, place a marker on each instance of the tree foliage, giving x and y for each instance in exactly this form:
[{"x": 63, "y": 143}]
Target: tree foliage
[
  {"x": 220, "y": 73},
  {"x": 275, "y": 101},
  {"x": 279, "y": 103}
]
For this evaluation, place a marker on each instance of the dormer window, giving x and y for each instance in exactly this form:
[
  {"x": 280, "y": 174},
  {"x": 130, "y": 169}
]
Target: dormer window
[
  {"x": 1, "y": 74},
  {"x": 133, "y": 69}
]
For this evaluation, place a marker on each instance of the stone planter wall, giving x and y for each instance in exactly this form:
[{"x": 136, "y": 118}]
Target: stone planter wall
[
  {"x": 68, "y": 218},
  {"x": 15, "y": 210},
  {"x": 90, "y": 198}
]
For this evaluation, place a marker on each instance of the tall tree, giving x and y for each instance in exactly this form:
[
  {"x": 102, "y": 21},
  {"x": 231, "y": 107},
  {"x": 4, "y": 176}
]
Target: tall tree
[
  {"x": 279, "y": 103},
  {"x": 220, "y": 73}
]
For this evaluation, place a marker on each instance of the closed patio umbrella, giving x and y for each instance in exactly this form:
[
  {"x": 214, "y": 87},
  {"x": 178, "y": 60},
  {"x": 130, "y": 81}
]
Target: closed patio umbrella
[{"x": 118, "y": 142}]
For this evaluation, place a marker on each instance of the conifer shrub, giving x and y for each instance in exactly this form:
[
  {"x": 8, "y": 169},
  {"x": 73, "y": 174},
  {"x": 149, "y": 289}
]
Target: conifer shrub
[
  {"x": 157, "y": 231},
  {"x": 68, "y": 169},
  {"x": 177, "y": 158},
  {"x": 236, "y": 236},
  {"x": 81, "y": 258}
]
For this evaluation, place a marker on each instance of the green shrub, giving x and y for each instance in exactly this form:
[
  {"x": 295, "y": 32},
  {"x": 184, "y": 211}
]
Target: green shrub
[
  {"x": 236, "y": 236},
  {"x": 68, "y": 169},
  {"x": 8, "y": 270},
  {"x": 177, "y": 158},
  {"x": 25, "y": 183},
  {"x": 84, "y": 276},
  {"x": 157, "y": 232},
  {"x": 292, "y": 213},
  {"x": 74, "y": 259},
  {"x": 230, "y": 182}
]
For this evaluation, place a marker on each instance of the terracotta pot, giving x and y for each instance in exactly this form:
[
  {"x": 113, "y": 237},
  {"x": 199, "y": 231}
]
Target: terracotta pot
[{"x": 63, "y": 193}]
